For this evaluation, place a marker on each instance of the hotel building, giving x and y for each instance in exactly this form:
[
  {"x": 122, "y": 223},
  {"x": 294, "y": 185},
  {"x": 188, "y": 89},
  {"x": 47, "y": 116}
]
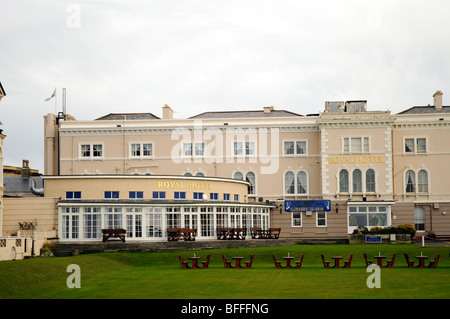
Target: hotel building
[{"x": 341, "y": 168}]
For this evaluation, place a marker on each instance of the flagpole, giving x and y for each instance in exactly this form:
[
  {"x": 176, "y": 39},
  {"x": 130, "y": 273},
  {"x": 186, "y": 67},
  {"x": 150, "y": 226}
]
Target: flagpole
[{"x": 56, "y": 103}]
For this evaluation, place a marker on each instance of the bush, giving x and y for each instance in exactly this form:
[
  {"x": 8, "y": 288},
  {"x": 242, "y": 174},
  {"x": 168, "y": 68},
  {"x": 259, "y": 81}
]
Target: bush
[
  {"x": 47, "y": 249},
  {"x": 406, "y": 229}
]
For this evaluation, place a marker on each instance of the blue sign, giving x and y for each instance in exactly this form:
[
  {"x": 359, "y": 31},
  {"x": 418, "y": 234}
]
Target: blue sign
[
  {"x": 307, "y": 205},
  {"x": 373, "y": 239}
]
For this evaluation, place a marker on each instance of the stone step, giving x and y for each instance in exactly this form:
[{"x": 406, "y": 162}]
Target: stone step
[{"x": 73, "y": 248}]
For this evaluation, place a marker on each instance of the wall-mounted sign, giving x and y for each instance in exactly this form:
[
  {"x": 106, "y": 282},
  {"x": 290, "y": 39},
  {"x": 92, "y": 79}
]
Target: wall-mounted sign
[
  {"x": 307, "y": 205},
  {"x": 373, "y": 239},
  {"x": 183, "y": 185},
  {"x": 355, "y": 159}
]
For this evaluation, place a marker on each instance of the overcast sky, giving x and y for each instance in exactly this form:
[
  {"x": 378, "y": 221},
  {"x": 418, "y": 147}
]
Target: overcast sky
[{"x": 213, "y": 55}]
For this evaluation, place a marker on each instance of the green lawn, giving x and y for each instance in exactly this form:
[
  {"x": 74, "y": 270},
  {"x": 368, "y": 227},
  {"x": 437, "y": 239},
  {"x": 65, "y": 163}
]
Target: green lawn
[{"x": 158, "y": 275}]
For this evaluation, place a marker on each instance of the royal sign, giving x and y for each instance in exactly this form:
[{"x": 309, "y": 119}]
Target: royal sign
[{"x": 307, "y": 205}]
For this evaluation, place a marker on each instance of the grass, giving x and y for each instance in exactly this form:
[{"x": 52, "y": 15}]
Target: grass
[{"x": 158, "y": 275}]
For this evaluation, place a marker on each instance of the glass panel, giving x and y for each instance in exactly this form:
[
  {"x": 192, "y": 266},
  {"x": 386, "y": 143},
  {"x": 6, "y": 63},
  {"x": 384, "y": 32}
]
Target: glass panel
[
  {"x": 357, "y": 220},
  {"x": 289, "y": 183},
  {"x": 377, "y": 220},
  {"x": 409, "y": 145},
  {"x": 421, "y": 145},
  {"x": 288, "y": 148}
]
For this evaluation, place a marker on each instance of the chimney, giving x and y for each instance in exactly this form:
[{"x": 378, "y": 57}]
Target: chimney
[
  {"x": 438, "y": 100},
  {"x": 167, "y": 113},
  {"x": 26, "y": 172},
  {"x": 268, "y": 109}
]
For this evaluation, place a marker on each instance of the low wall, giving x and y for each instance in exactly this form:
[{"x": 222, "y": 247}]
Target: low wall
[
  {"x": 14, "y": 248},
  {"x": 26, "y": 244}
]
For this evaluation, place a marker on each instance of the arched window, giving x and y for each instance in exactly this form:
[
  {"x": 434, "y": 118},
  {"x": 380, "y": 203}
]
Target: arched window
[
  {"x": 343, "y": 181},
  {"x": 200, "y": 174},
  {"x": 289, "y": 183},
  {"x": 370, "y": 181},
  {"x": 250, "y": 177},
  {"x": 410, "y": 178},
  {"x": 302, "y": 183},
  {"x": 422, "y": 181},
  {"x": 187, "y": 174},
  {"x": 357, "y": 181},
  {"x": 238, "y": 176}
]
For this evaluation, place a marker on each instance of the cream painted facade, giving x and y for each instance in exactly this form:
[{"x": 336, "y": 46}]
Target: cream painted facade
[
  {"x": 376, "y": 168},
  {"x": 145, "y": 206}
]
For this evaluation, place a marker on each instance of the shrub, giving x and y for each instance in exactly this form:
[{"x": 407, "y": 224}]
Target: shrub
[
  {"x": 406, "y": 229},
  {"x": 47, "y": 249}
]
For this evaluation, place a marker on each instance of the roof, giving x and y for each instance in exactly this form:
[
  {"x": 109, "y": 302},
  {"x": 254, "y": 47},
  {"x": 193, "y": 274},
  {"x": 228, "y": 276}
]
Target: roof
[
  {"x": 245, "y": 114},
  {"x": 425, "y": 110},
  {"x": 19, "y": 185},
  {"x": 128, "y": 116}
]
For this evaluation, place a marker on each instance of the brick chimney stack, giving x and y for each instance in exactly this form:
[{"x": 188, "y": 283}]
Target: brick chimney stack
[{"x": 438, "y": 100}]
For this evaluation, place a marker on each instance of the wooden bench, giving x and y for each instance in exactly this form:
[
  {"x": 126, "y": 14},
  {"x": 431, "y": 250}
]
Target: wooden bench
[
  {"x": 390, "y": 263},
  {"x": 348, "y": 264},
  {"x": 326, "y": 263},
  {"x": 368, "y": 262},
  {"x": 274, "y": 233},
  {"x": 114, "y": 233},
  {"x": 188, "y": 234},
  {"x": 256, "y": 232},
  {"x": 175, "y": 234},
  {"x": 408, "y": 261},
  {"x": 433, "y": 263},
  {"x": 227, "y": 233},
  {"x": 259, "y": 233}
]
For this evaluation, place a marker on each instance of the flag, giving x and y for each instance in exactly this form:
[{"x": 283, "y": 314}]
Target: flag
[{"x": 54, "y": 93}]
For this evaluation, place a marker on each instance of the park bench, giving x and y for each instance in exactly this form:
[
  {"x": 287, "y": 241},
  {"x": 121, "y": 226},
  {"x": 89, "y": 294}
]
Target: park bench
[
  {"x": 433, "y": 263},
  {"x": 114, "y": 233},
  {"x": 368, "y": 262},
  {"x": 227, "y": 233},
  {"x": 409, "y": 262},
  {"x": 348, "y": 264},
  {"x": 390, "y": 263},
  {"x": 188, "y": 234},
  {"x": 326, "y": 263},
  {"x": 175, "y": 234},
  {"x": 259, "y": 233}
]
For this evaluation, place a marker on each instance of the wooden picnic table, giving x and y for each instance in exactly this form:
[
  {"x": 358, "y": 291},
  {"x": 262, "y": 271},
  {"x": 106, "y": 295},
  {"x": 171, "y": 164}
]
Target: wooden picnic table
[
  {"x": 379, "y": 259},
  {"x": 194, "y": 260},
  {"x": 237, "y": 261},
  {"x": 337, "y": 259},
  {"x": 288, "y": 261},
  {"x": 114, "y": 233},
  {"x": 421, "y": 261}
]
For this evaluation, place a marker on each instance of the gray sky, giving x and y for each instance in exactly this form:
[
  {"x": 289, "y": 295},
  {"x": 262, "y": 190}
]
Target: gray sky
[{"x": 213, "y": 55}]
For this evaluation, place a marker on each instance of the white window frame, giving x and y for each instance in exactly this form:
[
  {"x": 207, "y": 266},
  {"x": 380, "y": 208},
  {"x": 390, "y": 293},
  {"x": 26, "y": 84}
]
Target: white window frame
[
  {"x": 295, "y": 193},
  {"x": 91, "y": 151},
  {"x": 416, "y": 182},
  {"x": 293, "y": 219},
  {"x": 415, "y": 140},
  {"x": 295, "y": 154},
  {"x": 325, "y": 219},
  {"x": 362, "y": 139},
  {"x": 141, "y": 146}
]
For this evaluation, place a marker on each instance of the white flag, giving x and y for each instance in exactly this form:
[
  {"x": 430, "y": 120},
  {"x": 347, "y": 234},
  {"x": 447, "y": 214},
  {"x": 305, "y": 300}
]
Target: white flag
[{"x": 54, "y": 93}]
